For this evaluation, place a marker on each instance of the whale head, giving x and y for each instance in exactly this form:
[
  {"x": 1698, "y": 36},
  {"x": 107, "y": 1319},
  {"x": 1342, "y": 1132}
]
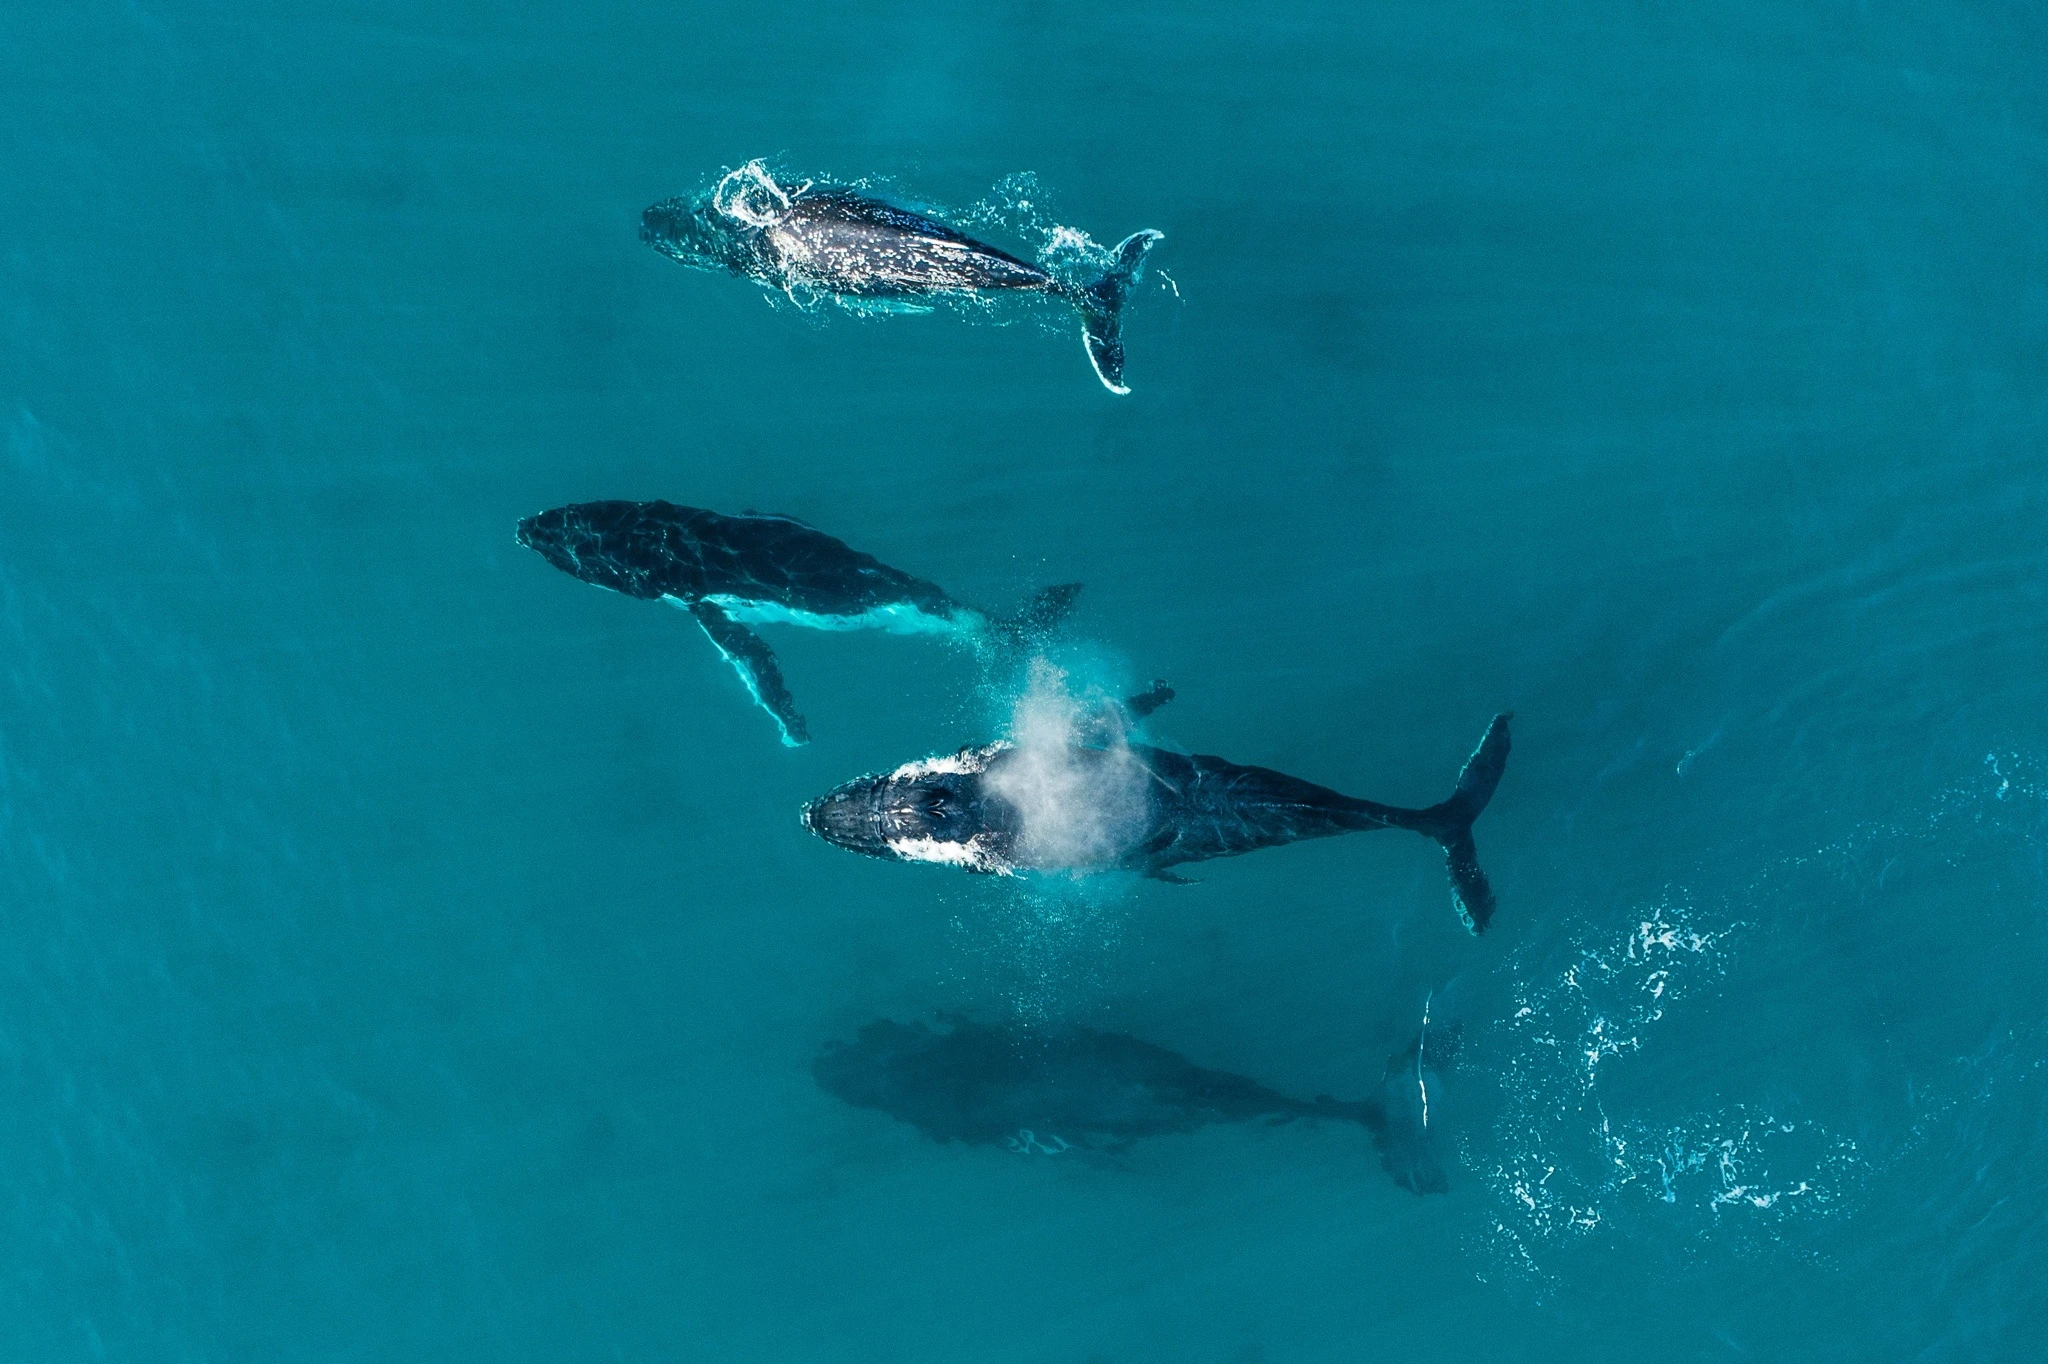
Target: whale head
[
  {"x": 936, "y": 810},
  {"x": 549, "y": 535},
  {"x": 695, "y": 234},
  {"x": 602, "y": 543}
]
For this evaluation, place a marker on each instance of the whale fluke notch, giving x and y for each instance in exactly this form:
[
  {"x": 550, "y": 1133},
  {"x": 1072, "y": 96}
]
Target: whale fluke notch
[{"x": 1102, "y": 308}]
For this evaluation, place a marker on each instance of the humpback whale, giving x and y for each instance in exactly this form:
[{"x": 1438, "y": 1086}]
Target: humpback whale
[
  {"x": 1068, "y": 1088},
  {"x": 1101, "y": 803},
  {"x": 814, "y": 239},
  {"x": 730, "y": 572}
]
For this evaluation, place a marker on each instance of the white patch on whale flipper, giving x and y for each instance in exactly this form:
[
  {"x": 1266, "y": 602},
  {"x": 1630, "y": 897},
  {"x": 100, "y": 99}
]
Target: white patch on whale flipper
[
  {"x": 757, "y": 669},
  {"x": 897, "y": 618}
]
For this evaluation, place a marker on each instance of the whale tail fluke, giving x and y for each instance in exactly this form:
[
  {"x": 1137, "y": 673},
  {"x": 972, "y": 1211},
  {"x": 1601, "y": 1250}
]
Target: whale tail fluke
[
  {"x": 1450, "y": 823},
  {"x": 1038, "y": 616},
  {"x": 1102, "y": 307},
  {"x": 1397, "y": 1112}
]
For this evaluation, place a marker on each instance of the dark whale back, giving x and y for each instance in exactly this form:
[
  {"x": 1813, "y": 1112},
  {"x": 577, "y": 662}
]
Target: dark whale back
[
  {"x": 656, "y": 549},
  {"x": 1202, "y": 806},
  {"x": 1199, "y": 807},
  {"x": 850, "y": 244}
]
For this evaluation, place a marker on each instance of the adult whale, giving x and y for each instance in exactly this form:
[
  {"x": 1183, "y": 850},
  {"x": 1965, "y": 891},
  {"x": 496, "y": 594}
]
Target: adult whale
[
  {"x": 732, "y": 571},
  {"x": 810, "y": 238},
  {"x": 1102, "y": 803},
  {"x": 1051, "y": 1090}
]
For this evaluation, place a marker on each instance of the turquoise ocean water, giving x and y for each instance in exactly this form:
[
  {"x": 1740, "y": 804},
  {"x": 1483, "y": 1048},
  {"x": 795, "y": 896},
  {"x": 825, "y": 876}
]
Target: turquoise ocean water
[{"x": 408, "y": 953}]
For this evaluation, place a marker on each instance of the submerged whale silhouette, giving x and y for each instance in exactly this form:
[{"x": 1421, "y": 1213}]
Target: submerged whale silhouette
[
  {"x": 813, "y": 238},
  {"x": 1064, "y": 1088},
  {"x": 731, "y": 571},
  {"x": 1005, "y": 808}
]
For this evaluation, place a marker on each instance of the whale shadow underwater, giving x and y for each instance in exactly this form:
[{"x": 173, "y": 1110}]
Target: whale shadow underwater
[
  {"x": 817, "y": 239},
  {"x": 730, "y": 572},
  {"x": 1067, "y": 1088},
  {"x": 1102, "y": 803}
]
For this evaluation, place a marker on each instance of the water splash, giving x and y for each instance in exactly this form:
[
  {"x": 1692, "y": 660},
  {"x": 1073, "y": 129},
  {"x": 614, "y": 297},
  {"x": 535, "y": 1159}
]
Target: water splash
[
  {"x": 1049, "y": 943},
  {"x": 1019, "y": 206},
  {"x": 1561, "y": 1158},
  {"x": 1593, "y": 1152},
  {"x": 1577, "y": 1163},
  {"x": 1082, "y": 806},
  {"x": 752, "y": 197},
  {"x": 1733, "y": 1161}
]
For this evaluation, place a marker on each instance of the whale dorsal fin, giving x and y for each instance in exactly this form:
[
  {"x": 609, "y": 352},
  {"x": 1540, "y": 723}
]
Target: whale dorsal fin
[
  {"x": 753, "y": 515},
  {"x": 849, "y": 207},
  {"x": 755, "y": 662}
]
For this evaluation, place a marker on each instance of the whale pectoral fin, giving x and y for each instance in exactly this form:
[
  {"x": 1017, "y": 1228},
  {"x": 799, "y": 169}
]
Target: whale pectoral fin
[
  {"x": 1036, "y": 618},
  {"x": 755, "y": 662},
  {"x": 1148, "y": 700},
  {"x": 1171, "y": 879},
  {"x": 1109, "y": 722}
]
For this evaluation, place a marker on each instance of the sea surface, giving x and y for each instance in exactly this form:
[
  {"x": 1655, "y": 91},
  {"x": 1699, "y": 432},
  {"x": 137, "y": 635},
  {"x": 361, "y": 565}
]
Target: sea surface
[{"x": 410, "y": 953}]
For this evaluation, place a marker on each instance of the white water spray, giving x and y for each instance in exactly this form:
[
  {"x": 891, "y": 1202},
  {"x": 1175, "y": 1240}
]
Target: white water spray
[
  {"x": 750, "y": 195},
  {"x": 1079, "y": 791}
]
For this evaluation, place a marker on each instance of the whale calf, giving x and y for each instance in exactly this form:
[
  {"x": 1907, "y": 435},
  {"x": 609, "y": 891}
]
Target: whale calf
[
  {"x": 730, "y": 572},
  {"x": 1101, "y": 803},
  {"x": 810, "y": 238},
  {"x": 1056, "y": 1089}
]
